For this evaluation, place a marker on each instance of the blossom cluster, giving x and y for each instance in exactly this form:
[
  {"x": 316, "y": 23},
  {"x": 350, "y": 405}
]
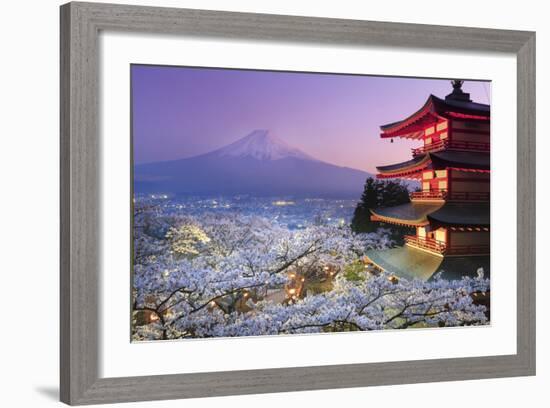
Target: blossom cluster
[{"x": 221, "y": 274}]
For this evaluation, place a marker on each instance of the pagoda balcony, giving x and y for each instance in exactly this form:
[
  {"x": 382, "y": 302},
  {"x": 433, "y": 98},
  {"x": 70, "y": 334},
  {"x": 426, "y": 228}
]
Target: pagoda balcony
[
  {"x": 428, "y": 244},
  {"x": 468, "y": 196},
  {"x": 452, "y": 145},
  {"x": 444, "y": 195},
  {"x": 439, "y": 195},
  {"x": 459, "y": 250},
  {"x": 439, "y": 247}
]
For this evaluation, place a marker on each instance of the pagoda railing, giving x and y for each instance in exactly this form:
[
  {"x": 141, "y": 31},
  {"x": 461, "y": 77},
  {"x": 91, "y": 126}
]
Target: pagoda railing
[
  {"x": 429, "y": 244},
  {"x": 428, "y": 195},
  {"x": 436, "y": 195},
  {"x": 468, "y": 196},
  {"x": 468, "y": 250},
  {"x": 452, "y": 145},
  {"x": 440, "y": 247}
]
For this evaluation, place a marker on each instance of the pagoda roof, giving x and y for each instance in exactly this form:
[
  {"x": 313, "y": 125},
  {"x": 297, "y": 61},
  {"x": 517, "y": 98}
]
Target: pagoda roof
[
  {"x": 438, "y": 160},
  {"x": 413, "y": 213},
  {"x": 410, "y": 263},
  {"x": 414, "y": 162},
  {"x": 435, "y": 109},
  {"x": 406, "y": 262},
  {"x": 462, "y": 215},
  {"x": 460, "y": 159}
]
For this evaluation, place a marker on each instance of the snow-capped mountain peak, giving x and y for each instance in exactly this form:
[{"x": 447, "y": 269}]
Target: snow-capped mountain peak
[
  {"x": 262, "y": 145},
  {"x": 259, "y": 164}
]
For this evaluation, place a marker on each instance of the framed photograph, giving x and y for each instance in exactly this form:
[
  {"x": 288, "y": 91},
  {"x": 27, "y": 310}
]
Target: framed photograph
[{"x": 261, "y": 203}]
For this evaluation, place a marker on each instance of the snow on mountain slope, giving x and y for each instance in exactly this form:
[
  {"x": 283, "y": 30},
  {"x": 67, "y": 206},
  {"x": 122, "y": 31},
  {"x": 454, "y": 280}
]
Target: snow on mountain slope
[
  {"x": 259, "y": 164},
  {"x": 261, "y": 145}
]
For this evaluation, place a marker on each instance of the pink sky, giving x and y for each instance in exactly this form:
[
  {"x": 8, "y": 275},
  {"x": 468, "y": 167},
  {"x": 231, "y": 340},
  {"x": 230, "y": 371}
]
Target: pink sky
[{"x": 181, "y": 112}]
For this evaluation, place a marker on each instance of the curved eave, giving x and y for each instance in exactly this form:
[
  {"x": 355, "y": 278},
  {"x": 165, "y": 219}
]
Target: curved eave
[
  {"x": 405, "y": 262},
  {"x": 413, "y": 174},
  {"x": 462, "y": 215},
  {"x": 398, "y": 221},
  {"x": 465, "y": 116},
  {"x": 404, "y": 169},
  {"x": 411, "y": 263},
  {"x": 409, "y": 214},
  {"x": 466, "y": 108},
  {"x": 433, "y": 109},
  {"x": 412, "y": 126},
  {"x": 461, "y": 159}
]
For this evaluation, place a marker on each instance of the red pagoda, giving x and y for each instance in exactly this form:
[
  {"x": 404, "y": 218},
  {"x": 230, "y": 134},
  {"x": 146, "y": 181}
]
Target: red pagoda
[{"x": 450, "y": 213}]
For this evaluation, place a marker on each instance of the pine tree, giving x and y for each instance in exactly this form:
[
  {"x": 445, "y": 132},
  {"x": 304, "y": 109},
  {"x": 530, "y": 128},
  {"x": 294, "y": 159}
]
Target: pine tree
[
  {"x": 369, "y": 199},
  {"x": 394, "y": 193},
  {"x": 377, "y": 193}
]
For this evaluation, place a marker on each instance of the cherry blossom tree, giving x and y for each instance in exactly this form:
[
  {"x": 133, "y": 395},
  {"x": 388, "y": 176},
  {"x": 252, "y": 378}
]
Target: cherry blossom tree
[{"x": 211, "y": 276}]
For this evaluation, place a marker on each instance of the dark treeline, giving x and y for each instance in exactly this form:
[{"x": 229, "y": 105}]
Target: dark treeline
[{"x": 379, "y": 193}]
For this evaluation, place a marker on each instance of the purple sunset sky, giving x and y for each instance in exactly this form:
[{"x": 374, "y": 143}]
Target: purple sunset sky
[{"x": 180, "y": 112}]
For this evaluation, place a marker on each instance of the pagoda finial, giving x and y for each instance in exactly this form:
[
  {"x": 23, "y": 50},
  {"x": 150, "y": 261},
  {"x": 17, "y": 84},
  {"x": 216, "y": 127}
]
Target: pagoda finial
[
  {"x": 458, "y": 94},
  {"x": 457, "y": 84}
]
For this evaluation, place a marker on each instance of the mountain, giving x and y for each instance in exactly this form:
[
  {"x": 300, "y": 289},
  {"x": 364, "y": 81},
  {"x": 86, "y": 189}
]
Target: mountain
[
  {"x": 261, "y": 145},
  {"x": 258, "y": 164}
]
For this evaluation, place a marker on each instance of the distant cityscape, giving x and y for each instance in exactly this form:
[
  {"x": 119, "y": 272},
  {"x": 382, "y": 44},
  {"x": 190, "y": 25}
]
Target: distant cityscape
[{"x": 290, "y": 212}]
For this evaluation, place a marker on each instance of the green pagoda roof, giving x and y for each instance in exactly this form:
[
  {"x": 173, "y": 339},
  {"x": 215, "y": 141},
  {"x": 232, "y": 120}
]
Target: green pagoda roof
[
  {"x": 410, "y": 263},
  {"x": 403, "y": 165},
  {"x": 462, "y": 214},
  {"x": 413, "y": 213},
  {"x": 439, "y": 160},
  {"x": 461, "y": 159}
]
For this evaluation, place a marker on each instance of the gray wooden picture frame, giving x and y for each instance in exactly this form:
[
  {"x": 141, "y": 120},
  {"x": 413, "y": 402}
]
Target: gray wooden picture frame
[{"x": 81, "y": 24}]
